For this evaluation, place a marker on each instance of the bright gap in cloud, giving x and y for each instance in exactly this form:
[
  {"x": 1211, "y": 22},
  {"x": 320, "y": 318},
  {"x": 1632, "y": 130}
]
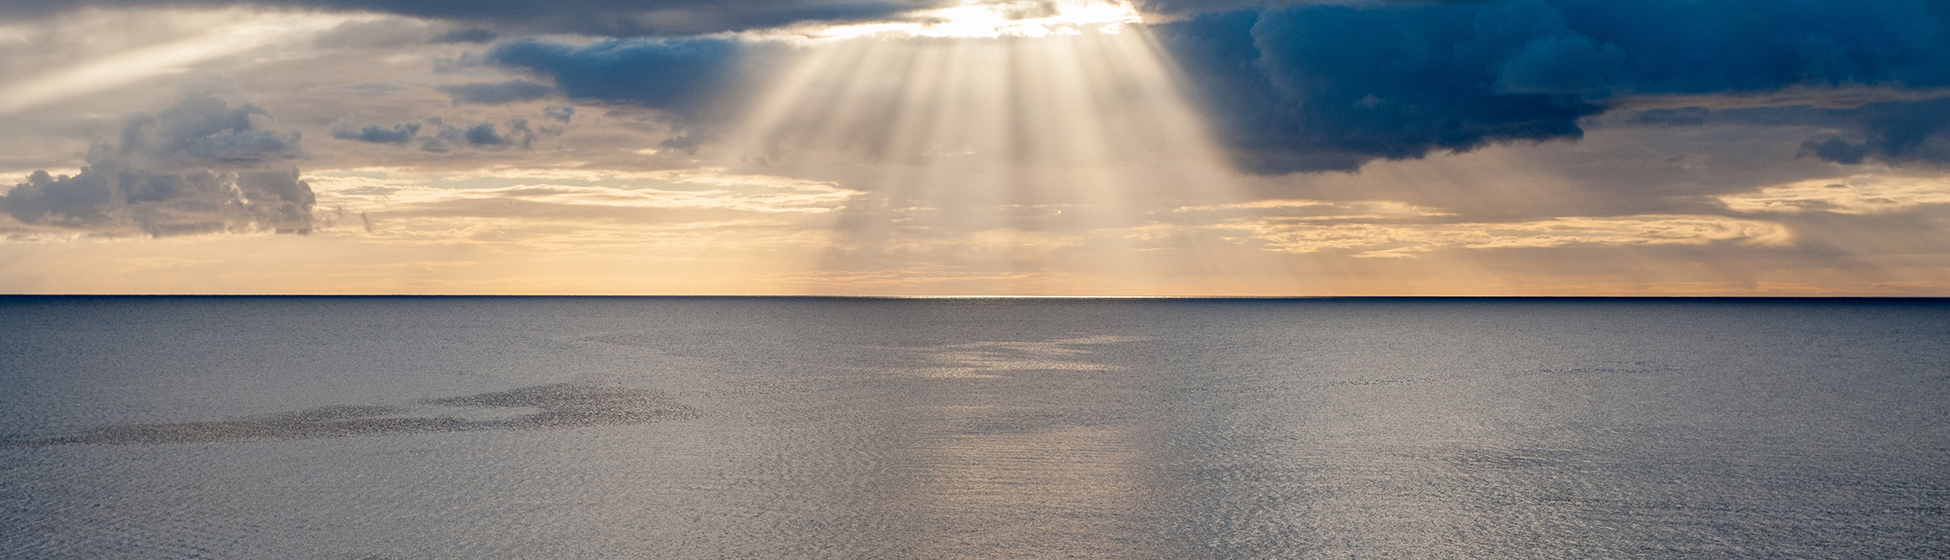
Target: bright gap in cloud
[
  {"x": 1001, "y": 18},
  {"x": 1002, "y": 159}
]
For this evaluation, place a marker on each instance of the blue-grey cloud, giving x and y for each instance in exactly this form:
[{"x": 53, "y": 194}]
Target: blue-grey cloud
[
  {"x": 469, "y": 35},
  {"x": 203, "y": 129},
  {"x": 1891, "y": 132},
  {"x": 495, "y": 93},
  {"x": 692, "y": 80},
  {"x": 435, "y": 134},
  {"x": 1330, "y": 87},
  {"x": 199, "y": 166},
  {"x": 399, "y": 133},
  {"x": 445, "y": 137},
  {"x": 620, "y": 18},
  {"x": 679, "y": 74}
]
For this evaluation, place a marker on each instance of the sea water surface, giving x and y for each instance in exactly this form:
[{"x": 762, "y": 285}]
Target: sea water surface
[{"x": 406, "y": 428}]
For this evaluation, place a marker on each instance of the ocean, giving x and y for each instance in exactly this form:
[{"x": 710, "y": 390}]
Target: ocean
[{"x": 858, "y": 428}]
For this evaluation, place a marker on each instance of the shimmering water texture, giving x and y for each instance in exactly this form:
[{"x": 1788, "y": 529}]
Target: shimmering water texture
[{"x": 342, "y": 428}]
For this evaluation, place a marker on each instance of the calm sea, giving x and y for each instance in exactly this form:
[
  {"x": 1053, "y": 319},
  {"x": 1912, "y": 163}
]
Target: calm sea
[{"x": 408, "y": 428}]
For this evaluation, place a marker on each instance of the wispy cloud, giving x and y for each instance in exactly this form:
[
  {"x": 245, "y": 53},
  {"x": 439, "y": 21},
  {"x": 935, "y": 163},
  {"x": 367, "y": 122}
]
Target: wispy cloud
[
  {"x": 707, "y": 191},
  {"x": 1303, "y": 226},
  {"x": 1859, "y": 195}
]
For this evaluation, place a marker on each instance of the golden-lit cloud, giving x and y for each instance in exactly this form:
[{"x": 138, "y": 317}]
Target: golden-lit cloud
[
  {"x": 1377, "y": 229},
  {"x": 1859, "y": 195},
  {"x": 709, "y": 191},
  {"x": 656, "y": 213}
]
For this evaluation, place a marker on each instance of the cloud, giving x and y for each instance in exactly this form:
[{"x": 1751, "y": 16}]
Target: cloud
[
  {"x": 1858, "y": 195},
  {"x": 1392, "y": 229},
  {"x": 1382, "y": 240},
  {"x": 399, "y": 133},
  {"x": 480, "y": 135},
  {"x": 470, "y": 35},
  {"x": 496, "y": 93},
  {"x": 1892, "y": 132},
  {"x": 199, "y": 166},
  {"x": 1331, "y": 87},
  {"x": 692, "y": 190},
  {"x": 586, "y": 211},
  {"x": 443, "y": 136},
  {"x": 692, "y": 80},
  {"x": 677, "y": 74},
  {"x": 591, "y": 17},
  {"x": 378, "y": 33},
  {"x": 1318, "y": 210}
]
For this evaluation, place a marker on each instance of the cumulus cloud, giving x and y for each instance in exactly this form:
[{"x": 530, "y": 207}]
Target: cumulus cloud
[
  {"x": 1331, "y": 87},
  {"x": 199, "y": 166}
]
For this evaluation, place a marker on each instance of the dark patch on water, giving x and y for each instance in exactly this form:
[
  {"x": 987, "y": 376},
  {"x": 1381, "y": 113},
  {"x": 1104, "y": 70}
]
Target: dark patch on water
[
  {"x": 1382, "y": 381},
  {"x": 561, "y": 405},
  {"x": 1615, "y": 368}
]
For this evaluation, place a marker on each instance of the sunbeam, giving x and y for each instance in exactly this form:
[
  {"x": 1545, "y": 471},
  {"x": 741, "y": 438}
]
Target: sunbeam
[{"x": 993, "y": 148}]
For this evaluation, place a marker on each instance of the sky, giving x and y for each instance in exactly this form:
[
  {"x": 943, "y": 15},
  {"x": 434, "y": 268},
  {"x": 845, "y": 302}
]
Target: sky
[{"x": 969, "y": 147}]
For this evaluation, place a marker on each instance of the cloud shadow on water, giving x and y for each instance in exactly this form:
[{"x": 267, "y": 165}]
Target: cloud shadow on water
[{"x": 561, "y": 405}]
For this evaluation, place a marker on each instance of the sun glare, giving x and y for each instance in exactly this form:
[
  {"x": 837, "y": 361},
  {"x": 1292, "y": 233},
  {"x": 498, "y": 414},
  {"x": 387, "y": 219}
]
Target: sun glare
[{"x": 1004, "y": 18}]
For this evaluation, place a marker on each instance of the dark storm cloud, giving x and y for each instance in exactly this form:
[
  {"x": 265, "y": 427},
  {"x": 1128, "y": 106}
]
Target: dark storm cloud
[
  {"x": 199, "y": 166},
  {"x": 692, "y": 80},
  {"x": 595, "y": 17},
  {"x": 495, "y": 93},
  {"x": 1330, "y": 87}
]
